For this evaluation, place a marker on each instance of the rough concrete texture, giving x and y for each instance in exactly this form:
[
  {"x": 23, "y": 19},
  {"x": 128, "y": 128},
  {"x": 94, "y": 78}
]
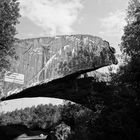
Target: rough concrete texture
[{"x": 62, "y": 57}]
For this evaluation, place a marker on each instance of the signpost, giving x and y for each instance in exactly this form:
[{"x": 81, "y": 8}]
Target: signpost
[{"x": 14, "y": 78}]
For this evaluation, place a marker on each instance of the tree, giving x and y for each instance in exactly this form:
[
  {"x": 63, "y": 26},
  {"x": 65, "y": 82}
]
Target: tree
[
  {"x": 131, "y": 38},
  {"x": 9, "y": 14},
  {"x": 133, "y": 11},
  {"x": 127, "y": 80},
  {"x": 130, "y": 73}
]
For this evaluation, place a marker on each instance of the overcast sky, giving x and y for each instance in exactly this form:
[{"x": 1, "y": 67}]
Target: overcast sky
[{"x": 103, "y": 18}]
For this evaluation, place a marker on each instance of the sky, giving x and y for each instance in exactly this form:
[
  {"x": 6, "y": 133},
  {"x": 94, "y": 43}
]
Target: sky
[
  {"x": 103, "y": 18},
  {"x": 40, "y": 18}
]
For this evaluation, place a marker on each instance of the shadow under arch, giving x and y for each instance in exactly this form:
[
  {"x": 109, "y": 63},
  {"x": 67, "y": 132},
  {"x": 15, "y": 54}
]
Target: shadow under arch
[{"x": 84, "y": 91}]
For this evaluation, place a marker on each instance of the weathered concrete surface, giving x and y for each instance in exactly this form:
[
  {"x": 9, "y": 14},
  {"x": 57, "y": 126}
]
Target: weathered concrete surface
[
  {"x": 48, "y": 58},
  {"x": 52, "y": 53},
  {"x": 61, "y": 64}
]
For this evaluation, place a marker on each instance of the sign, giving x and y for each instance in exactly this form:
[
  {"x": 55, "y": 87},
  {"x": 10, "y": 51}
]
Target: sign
[{"x": 14, "y": 77}]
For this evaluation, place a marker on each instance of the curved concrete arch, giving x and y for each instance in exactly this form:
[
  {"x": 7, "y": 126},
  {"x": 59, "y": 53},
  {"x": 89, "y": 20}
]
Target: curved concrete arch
[
  {"x": 83, "y": 54},
  {"x": 78, "y": 90}
]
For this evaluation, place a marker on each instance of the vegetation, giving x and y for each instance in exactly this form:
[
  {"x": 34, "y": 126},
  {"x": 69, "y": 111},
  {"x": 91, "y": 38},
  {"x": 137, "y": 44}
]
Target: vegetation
[
  {"x": 9, "y": 14},
  {"x": 130, "y": 73},
  {"x": 127, "y": 79},
  {"x": 40, "y": 117},
  {"x": 46, "y": 117}
]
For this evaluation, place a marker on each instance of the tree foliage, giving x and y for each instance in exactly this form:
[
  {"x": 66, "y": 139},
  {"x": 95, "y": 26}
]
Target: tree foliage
[
  {"x": 9, "y": 14},
  {"x": 47, "y": 117},
  {"x": 131, "y": 38},
  {"x": 127, "y": 79},
  {"x": 130, "y": 73},
  {"x": 42, "y": 116}
]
